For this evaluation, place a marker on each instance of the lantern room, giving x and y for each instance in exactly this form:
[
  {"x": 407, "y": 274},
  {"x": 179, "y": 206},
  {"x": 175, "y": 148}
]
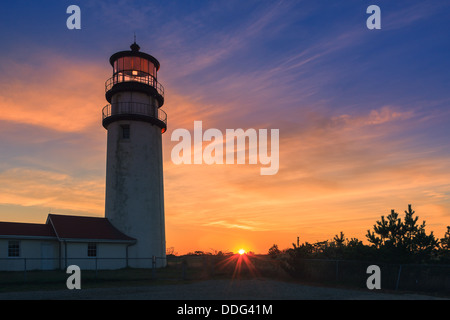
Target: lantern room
[
  {"x": 134, "y": 67},
  {"x": 133, "y": 91}
]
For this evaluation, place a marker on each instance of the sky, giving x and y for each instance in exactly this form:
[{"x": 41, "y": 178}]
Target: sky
[{"x": 362, "y": 114}]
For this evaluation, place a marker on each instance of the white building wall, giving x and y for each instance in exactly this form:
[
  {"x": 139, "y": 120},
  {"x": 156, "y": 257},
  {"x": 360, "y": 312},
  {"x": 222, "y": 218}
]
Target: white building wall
[
  {"x": 43, "y": 255},
  {"x": 32, "y": 255},
  {"x": 109, "y": 255}
]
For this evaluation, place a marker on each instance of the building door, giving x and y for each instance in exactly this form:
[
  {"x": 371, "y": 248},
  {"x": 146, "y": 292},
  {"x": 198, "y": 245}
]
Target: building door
[{"x": 47, "y": 256}]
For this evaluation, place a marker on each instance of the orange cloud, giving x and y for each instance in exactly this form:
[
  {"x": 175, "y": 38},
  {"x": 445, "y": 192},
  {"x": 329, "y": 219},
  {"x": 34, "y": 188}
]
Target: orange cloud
[
  {"x": 32, "y": 187},
  {"x": 52, "y": 91}
]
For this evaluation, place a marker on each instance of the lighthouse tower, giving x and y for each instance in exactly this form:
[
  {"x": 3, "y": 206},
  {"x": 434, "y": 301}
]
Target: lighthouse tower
[{"x": 135, "y": 123}]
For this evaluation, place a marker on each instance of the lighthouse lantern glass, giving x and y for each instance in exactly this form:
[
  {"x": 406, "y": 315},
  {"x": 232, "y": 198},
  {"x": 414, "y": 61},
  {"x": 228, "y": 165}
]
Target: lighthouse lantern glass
[
  {"x": 134, "y": 66},
  {"x": 127, "y": 63}
]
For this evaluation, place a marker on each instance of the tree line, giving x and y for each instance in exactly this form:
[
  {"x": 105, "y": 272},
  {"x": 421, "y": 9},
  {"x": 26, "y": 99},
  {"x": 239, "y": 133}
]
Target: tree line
[{"x": 392, "y": 239}]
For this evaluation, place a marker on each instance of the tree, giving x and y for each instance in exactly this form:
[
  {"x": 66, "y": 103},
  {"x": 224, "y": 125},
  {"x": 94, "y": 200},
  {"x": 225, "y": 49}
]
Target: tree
[
  {"x": 423, "y": 243},
  {"x": 354, "y": 242},
  {"x": 416, "y": 239},
  {"x": 444, "y": 247},
  {"x": 410, "y": 227},
  {"x": 389, "y": 231},
  {"x": 402, "y": 238},
  {"x": 445, "y": 241},
  {"x": 339, "y": 239},
  {"x": 274, "y": 252},
  {"x": 170, "y": 251}
]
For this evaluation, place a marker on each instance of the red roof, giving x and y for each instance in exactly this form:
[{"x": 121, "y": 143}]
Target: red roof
[
  {"x": 26, "y": 229},
  {"x": 66, "y": 227},
  {"x": 78, "y": 227}
]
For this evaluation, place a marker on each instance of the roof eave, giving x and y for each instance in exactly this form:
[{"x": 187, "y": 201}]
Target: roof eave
[
  {"x": 28, "y": 237},
  {"x": 97, "y": 240}
]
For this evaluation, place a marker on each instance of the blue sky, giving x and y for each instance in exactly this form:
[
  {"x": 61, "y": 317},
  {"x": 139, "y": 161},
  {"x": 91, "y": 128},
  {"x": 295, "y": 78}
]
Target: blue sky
[{"x": 363, "y": 114}]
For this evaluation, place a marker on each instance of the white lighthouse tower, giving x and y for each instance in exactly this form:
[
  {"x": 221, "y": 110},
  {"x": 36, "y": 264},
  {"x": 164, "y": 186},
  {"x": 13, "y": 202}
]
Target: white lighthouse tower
[{"x": 135, "y": 123}]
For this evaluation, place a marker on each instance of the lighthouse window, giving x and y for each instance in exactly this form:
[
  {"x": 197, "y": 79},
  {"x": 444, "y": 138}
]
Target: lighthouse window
[
  {"x": 125, "y": 131},
  {"x": 136, "y": 63},
  {"x": 118, "y": 65},
  {"x": 144, "y": 66},
  {"x": 128, "y": 63}
]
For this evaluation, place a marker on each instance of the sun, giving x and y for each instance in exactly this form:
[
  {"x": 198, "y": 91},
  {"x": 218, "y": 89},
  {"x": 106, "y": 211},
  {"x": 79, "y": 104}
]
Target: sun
[{"x": 241, "y": 251}]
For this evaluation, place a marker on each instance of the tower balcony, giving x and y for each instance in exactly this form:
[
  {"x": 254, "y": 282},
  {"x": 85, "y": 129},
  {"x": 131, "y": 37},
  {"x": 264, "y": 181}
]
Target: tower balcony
[
  {"x": 134, "y": 111},
  {"x": 135, "y": 81}
]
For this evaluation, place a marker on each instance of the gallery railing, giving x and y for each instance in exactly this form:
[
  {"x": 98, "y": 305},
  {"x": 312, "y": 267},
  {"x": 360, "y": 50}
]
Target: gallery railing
[
  {"x": 122, "y": 77},
  {"x": 136, "y": 108}
]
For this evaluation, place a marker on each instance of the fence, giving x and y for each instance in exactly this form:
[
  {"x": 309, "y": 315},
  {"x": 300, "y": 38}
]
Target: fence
[
  {"x": 433, "y": 278},
  {"x": 429, "y": 278}
]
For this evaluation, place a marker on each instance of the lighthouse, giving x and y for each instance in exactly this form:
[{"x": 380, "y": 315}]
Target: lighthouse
[{"x": 134, "y": 199}]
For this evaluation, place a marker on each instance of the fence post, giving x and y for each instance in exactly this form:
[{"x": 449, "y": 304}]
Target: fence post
[
  {"x": 154, "y": 267},
  {"x": 25, "y": 269},
  {"x": 183, "y": 268},
  {"x": 337, "y": 270},
  {"x": 398, "y": 277}
]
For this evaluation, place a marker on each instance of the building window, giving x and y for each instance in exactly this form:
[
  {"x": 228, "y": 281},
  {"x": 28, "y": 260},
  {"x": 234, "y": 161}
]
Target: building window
[
  {"x": 13, "y": 248},
  {"x": 125, "y": 131},
  {"x": 92, "y": 250}
]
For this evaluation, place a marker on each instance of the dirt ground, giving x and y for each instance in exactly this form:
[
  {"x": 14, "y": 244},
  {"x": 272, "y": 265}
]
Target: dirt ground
[{"x": 256, "y": 289}]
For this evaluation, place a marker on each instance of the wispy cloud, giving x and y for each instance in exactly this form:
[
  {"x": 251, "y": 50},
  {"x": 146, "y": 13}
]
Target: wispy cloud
[
  {"x": 411, "y": 14},
  {"x": 230, "y": 225}
]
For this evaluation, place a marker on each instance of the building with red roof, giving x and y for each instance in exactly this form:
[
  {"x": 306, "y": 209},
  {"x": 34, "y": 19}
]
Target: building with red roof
[{"x": 89, "y": 242}]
